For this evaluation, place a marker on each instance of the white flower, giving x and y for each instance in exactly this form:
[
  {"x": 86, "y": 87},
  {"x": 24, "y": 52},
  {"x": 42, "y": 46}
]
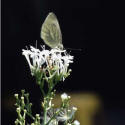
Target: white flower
[
  {"x": 66, "y": 114},
  {"x": 69, "y": 124},
  {"x": 64, "y": 96},
  {"x": 76, "y": 122},
  {"x": 46, "y": 60}
]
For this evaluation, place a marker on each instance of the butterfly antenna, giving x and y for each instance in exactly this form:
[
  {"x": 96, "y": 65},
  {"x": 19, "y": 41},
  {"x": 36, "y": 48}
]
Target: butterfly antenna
[
  {"x": 36, "y": 43},
  {"x": 74, "y": 49}
]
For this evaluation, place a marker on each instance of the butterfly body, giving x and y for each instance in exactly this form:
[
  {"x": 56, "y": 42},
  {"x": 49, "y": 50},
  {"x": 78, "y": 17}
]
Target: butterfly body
[{"x": 51, "y": 33}]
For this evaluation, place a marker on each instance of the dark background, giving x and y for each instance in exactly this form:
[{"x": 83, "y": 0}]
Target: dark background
[{"x": 86, "y": 25}]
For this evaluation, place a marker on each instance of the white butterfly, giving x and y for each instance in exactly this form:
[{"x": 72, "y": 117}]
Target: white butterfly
[{"x": 51, "y": 33}]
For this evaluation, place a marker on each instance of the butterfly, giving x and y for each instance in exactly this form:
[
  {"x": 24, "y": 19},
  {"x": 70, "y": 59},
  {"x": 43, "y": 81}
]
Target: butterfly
[{"x": 51, "y": 33}]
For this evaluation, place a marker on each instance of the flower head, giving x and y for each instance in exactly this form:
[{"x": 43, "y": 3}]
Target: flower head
[
  {"x": 52, "y": 62},
  {"x": 64, "y": 96}
]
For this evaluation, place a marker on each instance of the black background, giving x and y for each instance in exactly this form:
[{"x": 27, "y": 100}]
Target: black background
[{"x": 86, "y": 25}]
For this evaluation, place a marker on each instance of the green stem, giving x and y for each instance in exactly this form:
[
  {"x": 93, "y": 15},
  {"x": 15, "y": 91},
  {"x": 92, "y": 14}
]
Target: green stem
[
  {"x": 45, "y": 114},
  {"x": 41, "y": 88},
  {"x": 30, "y": 115},
  {"x": 47, "y": 99}
]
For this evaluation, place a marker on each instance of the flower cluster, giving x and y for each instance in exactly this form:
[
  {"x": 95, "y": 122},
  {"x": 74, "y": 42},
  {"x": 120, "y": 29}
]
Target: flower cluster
[
  {"x": 54, "y": 116},
  {"x": 64, "y": 114},
  {"x": 51, "y": 62}
]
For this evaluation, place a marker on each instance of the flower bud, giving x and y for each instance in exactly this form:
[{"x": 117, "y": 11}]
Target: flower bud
[
  {"x": 76, "y": 122},
  {"x": 74, "y": 108},
  {"x": 37, "y": 115},
  {"x": 64, "y": 96},
  {"x": 18, "y": 109},
  {"x": 16, "y": 96},
  {"x": 22, "y": 98},
  {"x": 25, "y": 110}
]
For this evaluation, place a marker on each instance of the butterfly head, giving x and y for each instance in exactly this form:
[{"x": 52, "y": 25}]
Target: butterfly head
[{"x": 60, "y": 46}]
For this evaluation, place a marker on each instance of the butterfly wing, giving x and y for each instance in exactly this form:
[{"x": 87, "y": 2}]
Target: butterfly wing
[{"x": 50, "y": 32}]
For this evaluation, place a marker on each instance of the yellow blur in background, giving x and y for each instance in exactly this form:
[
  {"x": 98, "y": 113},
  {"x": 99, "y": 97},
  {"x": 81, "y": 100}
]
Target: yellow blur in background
[{"x": 88, "y": 105}]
